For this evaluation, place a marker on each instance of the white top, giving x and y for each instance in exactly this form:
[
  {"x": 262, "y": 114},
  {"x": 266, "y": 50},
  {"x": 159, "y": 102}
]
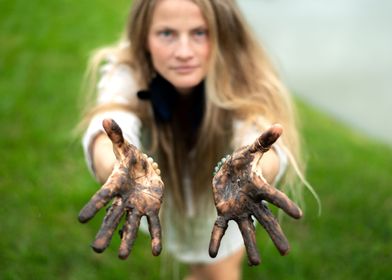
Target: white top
[{"x": 117, "y": 85}]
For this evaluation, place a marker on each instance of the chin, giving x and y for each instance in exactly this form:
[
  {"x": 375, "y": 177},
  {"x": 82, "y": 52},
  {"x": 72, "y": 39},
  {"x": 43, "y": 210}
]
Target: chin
[{"x": 183, "y": 82}]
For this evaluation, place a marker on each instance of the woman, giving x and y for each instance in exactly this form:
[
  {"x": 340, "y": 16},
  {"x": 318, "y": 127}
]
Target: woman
[{"x": 189, "y": 84}]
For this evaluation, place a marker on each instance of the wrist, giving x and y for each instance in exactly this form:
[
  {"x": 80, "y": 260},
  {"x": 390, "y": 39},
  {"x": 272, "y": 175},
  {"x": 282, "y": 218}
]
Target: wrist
[
  {"x": 267, "y": 165},
  {"x": 103, "y": 158}
]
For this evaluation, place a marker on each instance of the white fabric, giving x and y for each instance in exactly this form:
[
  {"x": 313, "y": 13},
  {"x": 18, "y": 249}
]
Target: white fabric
[
  {"x": 118, "y": 86},
  {"x": 198, "y": 253}
]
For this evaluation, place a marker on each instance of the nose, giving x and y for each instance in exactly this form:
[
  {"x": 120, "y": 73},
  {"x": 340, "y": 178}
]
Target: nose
[{"x": 184, "y": 50}]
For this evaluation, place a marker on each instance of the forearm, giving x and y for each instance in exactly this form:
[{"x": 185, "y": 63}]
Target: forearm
[
  {"x": 273, "y": 163},
  {"x": 103, "y": 158},
  {"x": 268, "y": 165}
]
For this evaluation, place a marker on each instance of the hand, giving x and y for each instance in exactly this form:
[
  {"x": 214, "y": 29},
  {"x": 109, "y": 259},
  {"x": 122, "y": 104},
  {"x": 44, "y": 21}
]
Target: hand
[
  {"x": 136, "y": 189},
  {"x": 239, "y": 189}
]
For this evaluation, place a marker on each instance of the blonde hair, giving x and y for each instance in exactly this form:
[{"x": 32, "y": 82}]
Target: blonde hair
[{"x": 240, "y": 84}]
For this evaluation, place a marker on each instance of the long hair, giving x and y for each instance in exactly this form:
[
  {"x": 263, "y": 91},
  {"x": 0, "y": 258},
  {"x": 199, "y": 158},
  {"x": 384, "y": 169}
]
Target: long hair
[{"x": 240, "y": 84}]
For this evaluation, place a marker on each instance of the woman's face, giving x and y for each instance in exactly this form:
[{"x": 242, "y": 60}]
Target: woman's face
[{"x": 179, "y": 44}]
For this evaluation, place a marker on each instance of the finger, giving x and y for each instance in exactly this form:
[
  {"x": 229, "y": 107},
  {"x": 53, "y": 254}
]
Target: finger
[
  {"x": 109, "y": 225},
  {"x": 264, "y": 142},
  {"x": 155, "y": 232},
  {"x": 121, "y": 147},
  {"x": 271, "y": 225},
  {"x": 276, "y": 197},
  {"x": 129, "y": 232},
  {"x": 248, "y": 234},
  {"x": 217, "y": 233},
  {"x": 114, "y": 131},
  {"x": 100, "y": 198}
]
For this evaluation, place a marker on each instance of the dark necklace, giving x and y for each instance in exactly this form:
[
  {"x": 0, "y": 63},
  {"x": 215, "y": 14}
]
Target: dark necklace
[{"x": 168, "y": 103}]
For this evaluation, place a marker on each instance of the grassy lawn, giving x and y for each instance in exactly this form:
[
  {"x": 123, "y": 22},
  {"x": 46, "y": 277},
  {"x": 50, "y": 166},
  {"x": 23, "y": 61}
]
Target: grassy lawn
[{"x": 44, "y": 182}]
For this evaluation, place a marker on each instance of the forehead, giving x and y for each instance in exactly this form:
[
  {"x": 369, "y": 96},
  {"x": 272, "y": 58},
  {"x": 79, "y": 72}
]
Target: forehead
[{"x": 177, "y": 13}]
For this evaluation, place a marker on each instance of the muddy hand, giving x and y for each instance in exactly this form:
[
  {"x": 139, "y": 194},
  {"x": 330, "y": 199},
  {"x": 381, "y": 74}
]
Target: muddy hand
[
  {"x": 136, "y": 189},
  {"x": 239, "y": 192}
]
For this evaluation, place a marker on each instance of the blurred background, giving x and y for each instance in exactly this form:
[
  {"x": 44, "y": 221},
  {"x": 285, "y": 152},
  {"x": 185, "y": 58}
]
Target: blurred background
[{"x": 334, "y": 56}]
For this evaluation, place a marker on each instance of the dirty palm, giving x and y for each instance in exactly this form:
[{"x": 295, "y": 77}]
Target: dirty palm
[{"x": 239, "y": 190}]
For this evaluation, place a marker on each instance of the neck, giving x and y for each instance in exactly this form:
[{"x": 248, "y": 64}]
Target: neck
[{"x": 184, "y": 91}]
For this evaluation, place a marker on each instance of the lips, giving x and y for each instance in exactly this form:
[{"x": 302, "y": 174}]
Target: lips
[{"x": 184, "y": 69}]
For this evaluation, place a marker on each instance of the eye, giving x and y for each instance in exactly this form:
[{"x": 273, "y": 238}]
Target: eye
[
  {"x": 200, "y": 32},
  {"x": 166, "y": 33}
]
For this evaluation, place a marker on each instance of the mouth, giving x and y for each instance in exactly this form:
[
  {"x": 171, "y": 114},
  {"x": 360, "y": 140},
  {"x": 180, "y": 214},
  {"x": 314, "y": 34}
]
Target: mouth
[{"x": 185, "y": 69}]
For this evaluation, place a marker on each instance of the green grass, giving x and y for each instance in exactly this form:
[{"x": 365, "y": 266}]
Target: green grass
[{"x": 44, "y": 182}]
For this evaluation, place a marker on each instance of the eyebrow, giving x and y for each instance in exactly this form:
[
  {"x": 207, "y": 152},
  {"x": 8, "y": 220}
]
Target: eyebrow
[
  {"x": 165, "y": 26},
  {"x": 201, "y": 27}
]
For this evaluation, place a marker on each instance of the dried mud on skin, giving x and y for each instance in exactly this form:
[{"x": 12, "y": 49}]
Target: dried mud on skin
[
  {"x": 135, "y": 189},
  {"x": 239, "y": 193}
]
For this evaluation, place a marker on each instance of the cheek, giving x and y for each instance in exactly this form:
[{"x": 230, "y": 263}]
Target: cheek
[
  {"x": 159, "y": 53},
  {"x": 205, "y": 52}
]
